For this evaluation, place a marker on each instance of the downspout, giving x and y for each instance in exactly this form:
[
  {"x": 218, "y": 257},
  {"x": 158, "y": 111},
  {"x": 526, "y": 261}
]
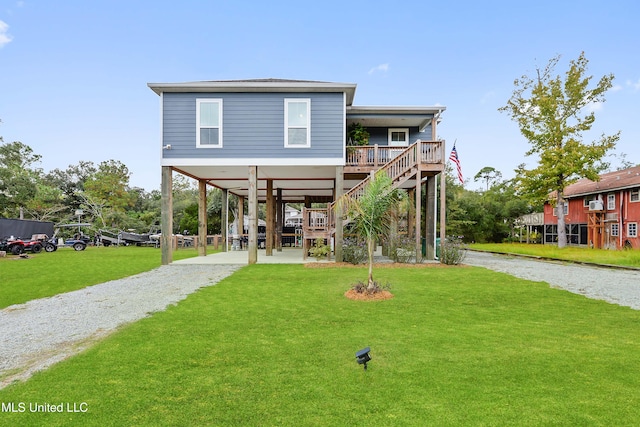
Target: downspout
[{"x": 620, "y": 220}]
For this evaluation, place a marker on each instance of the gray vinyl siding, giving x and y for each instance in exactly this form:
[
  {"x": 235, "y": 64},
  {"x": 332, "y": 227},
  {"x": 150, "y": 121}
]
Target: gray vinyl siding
[
  {"x": 253, "y": 126},
  {"x": 380, "y": 136}
]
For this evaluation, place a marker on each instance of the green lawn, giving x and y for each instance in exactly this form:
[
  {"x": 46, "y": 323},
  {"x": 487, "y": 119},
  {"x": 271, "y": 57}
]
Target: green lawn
[
  {"x": 630, "y": 258},
  {"x": 47, "y": 274},
  {"x": 274, "y": 345}
]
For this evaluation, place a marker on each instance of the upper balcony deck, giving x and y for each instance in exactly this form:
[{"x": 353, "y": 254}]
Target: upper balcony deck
[{"x": 372, "y": 157}]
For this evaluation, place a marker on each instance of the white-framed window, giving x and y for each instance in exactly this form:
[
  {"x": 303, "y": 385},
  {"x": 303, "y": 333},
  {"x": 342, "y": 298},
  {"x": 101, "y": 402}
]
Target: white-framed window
[
  {"x": 632, "y": 229},
  {"x": 635, "y": 195},
  {"x": 398, "y": 137},
  {"x": 615, "y": 229},
  {"x": 611, "y": 201},
  {"x": 588, "y": 199},
  {"x": 209, "y": 123},
  {"x": 565, "y": 209},
  {"x": 297, "y": 123}
]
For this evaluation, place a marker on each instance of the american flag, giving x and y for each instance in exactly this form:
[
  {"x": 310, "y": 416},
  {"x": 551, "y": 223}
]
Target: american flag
[{"x": 454, "y": 158}]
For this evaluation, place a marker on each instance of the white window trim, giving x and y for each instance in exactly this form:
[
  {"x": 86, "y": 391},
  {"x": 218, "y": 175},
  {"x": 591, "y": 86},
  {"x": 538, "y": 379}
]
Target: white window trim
[
  {"x": 200, "y": 101},
  {"x": 286, "y": 122},
  {"x": 566, "y": 209},
  {"x": 588, "y": 199},
  {"x": 394, "y": 143},
  {"x": 611, "y": 202},
  {"x": 637, "y": 191},
  {"x": 629, "y": 234},
  {"x": 615, "y": 229}
]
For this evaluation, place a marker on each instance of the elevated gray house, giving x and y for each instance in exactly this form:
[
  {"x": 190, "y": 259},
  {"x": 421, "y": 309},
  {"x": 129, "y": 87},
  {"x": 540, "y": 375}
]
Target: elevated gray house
[{"x": 276, "y": 141}]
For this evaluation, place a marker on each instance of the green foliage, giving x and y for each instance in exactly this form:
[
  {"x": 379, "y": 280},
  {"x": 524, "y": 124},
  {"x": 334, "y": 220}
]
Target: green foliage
[
  {"x": 452, "y": 251},
  {"x": 18, "y": 179},
  {"x": 320, "y": 249},
  {"x": 364, "y": 288},
  {"x": 486, "y": 216},
  {"x": 402, "y": 249},
  {"x": 552, "y": 114},
  {"x": 455, "y": 346},
  {"x": 488, "y": 175},
  {"x": 369, "y": 213},
  {"x": 357, "y": 135},
  {"x": 354, "y": 251}
]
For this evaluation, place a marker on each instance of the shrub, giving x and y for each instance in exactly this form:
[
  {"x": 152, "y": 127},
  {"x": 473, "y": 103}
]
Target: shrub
[
  {"x": 452, "y": 251},
  {"x": 403, "y": 250},
  {"x": 320, "y": 249},
  {"x": 354, "y": 251},
  {"x": 363, "y": 288}
]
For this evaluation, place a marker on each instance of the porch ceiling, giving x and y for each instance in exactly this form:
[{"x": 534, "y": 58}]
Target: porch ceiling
[
  {"x": 296, "y": 182},
  {"x": 400, "y": 117}
]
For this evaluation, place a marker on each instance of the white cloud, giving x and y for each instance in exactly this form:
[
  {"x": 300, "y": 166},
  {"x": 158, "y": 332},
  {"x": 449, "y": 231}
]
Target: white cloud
[
  {"x": 4, "y": 37},
  {"x": 635, "y": 85},
  {"x": 616, "y": 88},
  {"x": 382, "y": 67},
  {"x": 594, "y": 106},
  {"x": 487, "y": 97}
]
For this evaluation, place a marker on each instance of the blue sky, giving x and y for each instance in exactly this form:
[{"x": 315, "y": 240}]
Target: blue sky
[{"x": 74, "y": 74}]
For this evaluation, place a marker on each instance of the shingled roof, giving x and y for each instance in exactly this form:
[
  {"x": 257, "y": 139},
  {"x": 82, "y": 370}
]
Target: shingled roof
[{"x": 618, "y": 180}]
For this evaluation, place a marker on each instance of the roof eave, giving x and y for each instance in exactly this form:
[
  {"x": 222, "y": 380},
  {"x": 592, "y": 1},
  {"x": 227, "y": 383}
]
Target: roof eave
[{"x": 256, "y": 86}]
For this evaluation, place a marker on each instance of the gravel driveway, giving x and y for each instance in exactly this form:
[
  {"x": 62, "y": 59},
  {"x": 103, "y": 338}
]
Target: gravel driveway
[
  {"x": 616, "y": 286},
  {"x": 42, "y": 332}
]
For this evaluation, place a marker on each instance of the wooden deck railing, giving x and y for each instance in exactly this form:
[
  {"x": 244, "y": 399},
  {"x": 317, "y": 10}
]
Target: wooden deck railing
[
  {"x": 375, "y": 156},
  {"x": 316, "y": 219},
  {"x": 394, "y": 161}
]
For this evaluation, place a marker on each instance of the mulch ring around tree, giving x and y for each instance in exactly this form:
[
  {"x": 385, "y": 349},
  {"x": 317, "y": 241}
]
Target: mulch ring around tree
[{"x": 364, "y": 296}]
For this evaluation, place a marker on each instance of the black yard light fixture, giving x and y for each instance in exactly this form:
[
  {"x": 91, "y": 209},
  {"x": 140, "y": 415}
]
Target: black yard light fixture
[{"x": 362, "y": 357}]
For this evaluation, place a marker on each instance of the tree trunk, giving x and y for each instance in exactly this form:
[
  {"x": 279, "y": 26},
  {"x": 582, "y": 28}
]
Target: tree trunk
[
  {"x": 562, "y": 232},
  {"x": 370, "y": 247}
]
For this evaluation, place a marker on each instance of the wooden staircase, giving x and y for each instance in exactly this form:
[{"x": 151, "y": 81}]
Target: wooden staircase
[{"x": 319, "y": 223}]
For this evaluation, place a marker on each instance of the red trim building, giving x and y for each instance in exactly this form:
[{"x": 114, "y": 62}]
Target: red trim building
[{"x": 603, "y": 214}]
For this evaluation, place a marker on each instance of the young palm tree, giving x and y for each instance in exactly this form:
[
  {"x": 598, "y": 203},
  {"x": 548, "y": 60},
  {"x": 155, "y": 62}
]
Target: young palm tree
[{"x": 370, "y": 213}]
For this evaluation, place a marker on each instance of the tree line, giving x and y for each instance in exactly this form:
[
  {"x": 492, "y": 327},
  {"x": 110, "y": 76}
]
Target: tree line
[{"x": 101, "y": 191}]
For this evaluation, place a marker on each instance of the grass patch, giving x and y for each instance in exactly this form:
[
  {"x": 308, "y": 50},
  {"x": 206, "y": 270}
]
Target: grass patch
[
  {"x": 47, "y": 274},
  {"x": 629, "y": 258},
  {"x": 275, "y": 345}
]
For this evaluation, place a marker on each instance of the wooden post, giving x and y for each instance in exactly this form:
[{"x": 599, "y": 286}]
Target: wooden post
[
  {"x": 338, "y": 191},
  {"x": 411, "y": 192},
  {"x": 279, "y": 220},
  {"x": 430, "y": 218},
  {"x": 270, "y": 219},
  {"x": 202, "y": 218},
  {"x": 241, "y": 216},
  {"x": 418, "y": 214},
  {"x": 166, "y": 216},
  {"x": 225, "y": 221},
  {"x": 443, "y": 210},
  {"x": 253, "y": 214}
]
